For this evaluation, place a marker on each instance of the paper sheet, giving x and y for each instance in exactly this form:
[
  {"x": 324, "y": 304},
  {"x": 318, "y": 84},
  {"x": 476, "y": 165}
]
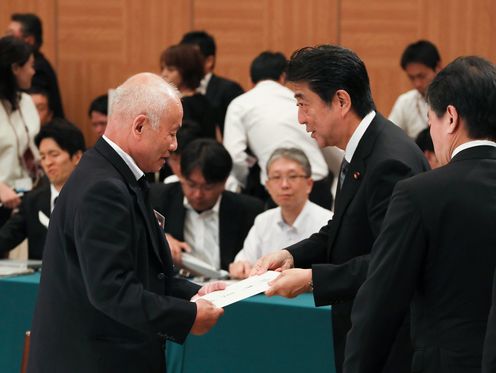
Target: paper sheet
[{"x": 241, "y": 290}]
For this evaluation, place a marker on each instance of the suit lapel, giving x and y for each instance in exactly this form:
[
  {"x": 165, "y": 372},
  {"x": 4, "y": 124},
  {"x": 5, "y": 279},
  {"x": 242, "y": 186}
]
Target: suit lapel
[
  {"x": 356, "y": 173},
  {"x": 157, "y": 240}
]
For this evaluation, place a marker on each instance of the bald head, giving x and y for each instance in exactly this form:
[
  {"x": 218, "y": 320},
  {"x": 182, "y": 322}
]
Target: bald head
[{"x": 146, "y": 113}]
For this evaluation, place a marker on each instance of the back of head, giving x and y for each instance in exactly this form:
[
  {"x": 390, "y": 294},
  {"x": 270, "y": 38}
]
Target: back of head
[
  {"x": 268, "y": 66},
  {"x": 468, "y": 84},
  {"x": 328, "y": 68},
  {"x": 423, "y": 52},
  {"x": 12, "y": 51},
  {"x": 292, "y": 154},
  {"x": 67, "y": 136},
  {"x": 203, "y": 40},
  {"x": 99, "y": 104},
  {"x": 187, "y": 60},
  {"x": 143, "y": 93},
  {"x": 31, "y": 26},
  {"x": 424, "y": 140},
  {"x": 189, "y": 131},
  {"x": 210, "y": 157}
]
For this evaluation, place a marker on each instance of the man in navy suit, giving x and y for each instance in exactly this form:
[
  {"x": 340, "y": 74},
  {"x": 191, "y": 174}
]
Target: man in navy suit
[
  {"x": 435, "y": 255},
  {"x": 219, "y": 91},
  {"x": 61, "y": 146},
  {"x": 108, "y": 298},
  {"x": 201, "y": 217},
  {"x": 332, "y": 89}
]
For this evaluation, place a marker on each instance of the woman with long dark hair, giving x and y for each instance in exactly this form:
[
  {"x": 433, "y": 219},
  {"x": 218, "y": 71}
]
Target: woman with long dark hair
[{"x": 19, "y": 123}]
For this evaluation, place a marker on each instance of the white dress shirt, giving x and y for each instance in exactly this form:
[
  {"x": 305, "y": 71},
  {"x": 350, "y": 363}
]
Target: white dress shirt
[
  {"x": 266, "y": 118},
  {"x": 54, "y": 193},
  {"x": 357, "y": 136},
  {"x": 126, "y": 158},
  {"x": 201, "y": 232},
  {"x": 410, "y": 113},
  {"x": 271, "y": 233}
]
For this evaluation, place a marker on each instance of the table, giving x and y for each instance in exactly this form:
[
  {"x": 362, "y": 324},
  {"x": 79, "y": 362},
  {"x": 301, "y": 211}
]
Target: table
[{"x": 259, "y": 334}]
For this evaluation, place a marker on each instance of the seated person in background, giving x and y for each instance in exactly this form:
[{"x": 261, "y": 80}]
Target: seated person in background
[
  {"x": 61, "y": 146},
  {"x": 421, "y": 62},
  {"x": 98, "y": 112},
  {"x": 265, "y": 118},
  {"x": 289, "y": 184},
  {"x": 424, "y": 141},
  {"x": 188, "y": 132},
  {"x": 201, "y": 217},
  {"x": 42, "y": 102},
  {"x": 182, "y": 65},
  {"x": 218, "y": 90}
]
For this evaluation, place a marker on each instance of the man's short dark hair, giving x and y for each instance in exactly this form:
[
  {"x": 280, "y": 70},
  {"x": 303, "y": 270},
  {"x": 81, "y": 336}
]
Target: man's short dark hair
[
  {"x": 424, "y": 140},
  {"x": 268, "y": 66},
  {"x": 67, "y": 136},
  {"x": 210, "y": 157},
  {"x": 41, "y": 92},
  {"x": 99, "y": 104},
  {"x": 187, "y": 60},
  {"x": 468, "y": 84},
  {"x": 31, "y": 26},
  {"x": 328, "y": 68},
  {"x": 423, "y": 52},
  {"x": 203, "y": 40},
  {"x": 187, "y": 133}
]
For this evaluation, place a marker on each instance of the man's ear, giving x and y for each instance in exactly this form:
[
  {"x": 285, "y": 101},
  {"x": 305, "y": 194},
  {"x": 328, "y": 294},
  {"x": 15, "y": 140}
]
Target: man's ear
[
  {"x": 139, "y": 125},
  {"x": 453, "y": 119},
  {"x": 343, "y": 100},
  {"x": 76, "y": 157}
]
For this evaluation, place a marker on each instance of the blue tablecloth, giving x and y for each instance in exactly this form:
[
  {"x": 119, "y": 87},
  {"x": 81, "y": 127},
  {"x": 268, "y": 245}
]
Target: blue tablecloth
[{"x": 259, "y": 334}]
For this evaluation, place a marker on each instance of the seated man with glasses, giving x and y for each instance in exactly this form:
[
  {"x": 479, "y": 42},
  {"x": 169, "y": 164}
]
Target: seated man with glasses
[
  {"x": 289, "y": 183},
  {"x": 201, "y": 217}
]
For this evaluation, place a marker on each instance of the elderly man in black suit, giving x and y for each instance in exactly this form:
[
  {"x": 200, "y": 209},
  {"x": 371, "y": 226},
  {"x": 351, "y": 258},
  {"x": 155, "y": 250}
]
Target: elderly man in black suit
[
  {"x": 436, "y": 253},
  {"x": 61, "y": 146},
  {"x": 108, "y": 298},
  {"x": 332, "y": 89},
  {"x": 219, "y": 91},
  {"x": 201, "y": 217}
]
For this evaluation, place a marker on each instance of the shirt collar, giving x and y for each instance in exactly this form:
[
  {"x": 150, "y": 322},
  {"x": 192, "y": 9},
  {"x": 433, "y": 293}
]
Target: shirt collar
[
  {"x": 202, "y": 88},
  {"x": 214, "y": 209},
  {"x": 54, "y": 193},
  {"x": 299, "y": 221},
  {"x": 126, "y": 158},
  {"x": 357, "y": 136},
  {"x": 472, "y": 144}
]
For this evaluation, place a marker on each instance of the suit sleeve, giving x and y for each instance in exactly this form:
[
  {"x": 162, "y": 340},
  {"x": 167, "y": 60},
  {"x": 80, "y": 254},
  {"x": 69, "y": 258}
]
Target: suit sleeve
[
  {"x": 384, "y": 299},
  {"x": 14, "y": 231},
  {"x": 340, "y": 282},
  {"x": 106, "y": 227}
]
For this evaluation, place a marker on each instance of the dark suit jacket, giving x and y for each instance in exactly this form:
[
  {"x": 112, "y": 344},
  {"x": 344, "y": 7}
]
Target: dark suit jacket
[
  {"x": 339, "y": 252},
  {"x": 236, "y": 215},
  {"x": 108, "y": 298},
  {"x": 46, "y": 79},
  {"x": 489, "y": 353},
  {"x": 436, "y": 251},
  {"x": 220, "y": 92},
  {"x": 26, "y": 223}
]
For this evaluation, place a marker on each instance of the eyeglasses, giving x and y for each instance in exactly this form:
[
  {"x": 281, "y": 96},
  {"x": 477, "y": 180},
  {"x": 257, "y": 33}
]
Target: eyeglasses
[{"x": 291, "y": 179}]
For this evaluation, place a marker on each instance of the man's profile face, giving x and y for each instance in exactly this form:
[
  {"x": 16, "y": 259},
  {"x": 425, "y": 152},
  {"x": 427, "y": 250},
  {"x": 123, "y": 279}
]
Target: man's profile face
[
  {"x": 420, "y": 76},
  {"x": 14, "y": 29},
  {"x": 44, "y": 111},
  {"x": 321, "y": 119},
  {"x": 56, "y": 162},
  {"x": 287, "y": 184},
  {"x": 155, "y": 145},
  {"x": 200, "y": 194}
]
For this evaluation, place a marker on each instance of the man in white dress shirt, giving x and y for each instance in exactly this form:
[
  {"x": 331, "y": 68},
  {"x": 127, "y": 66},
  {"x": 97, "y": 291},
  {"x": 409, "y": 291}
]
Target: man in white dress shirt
[
  {"x": 421, "y": 62},
  {"x": 296, "y": 218},
  {"x": 265, "y": 118}
]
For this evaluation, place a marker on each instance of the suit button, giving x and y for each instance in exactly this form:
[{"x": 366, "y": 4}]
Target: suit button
[{"x": 161, "y": 276}]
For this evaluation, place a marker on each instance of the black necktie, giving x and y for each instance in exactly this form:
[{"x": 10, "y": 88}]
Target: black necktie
[
  {"x": 144, "y": 186},
  {"x": 343, "y": 171}
]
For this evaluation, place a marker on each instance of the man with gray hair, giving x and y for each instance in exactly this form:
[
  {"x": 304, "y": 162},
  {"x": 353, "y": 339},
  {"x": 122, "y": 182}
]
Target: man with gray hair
[
  {"x": 108, "y": 298},
  {"x": 289, "y": 183}
]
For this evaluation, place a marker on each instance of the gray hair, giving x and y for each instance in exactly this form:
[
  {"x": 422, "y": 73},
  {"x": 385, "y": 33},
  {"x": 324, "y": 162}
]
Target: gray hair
[
  {"x": 292, "y": 154},
  {"x": 145, "y": 93}
]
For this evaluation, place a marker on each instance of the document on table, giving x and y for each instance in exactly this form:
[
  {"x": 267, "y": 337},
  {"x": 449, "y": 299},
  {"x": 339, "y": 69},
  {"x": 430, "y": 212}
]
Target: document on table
[{"x": 241, "y": 290}]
